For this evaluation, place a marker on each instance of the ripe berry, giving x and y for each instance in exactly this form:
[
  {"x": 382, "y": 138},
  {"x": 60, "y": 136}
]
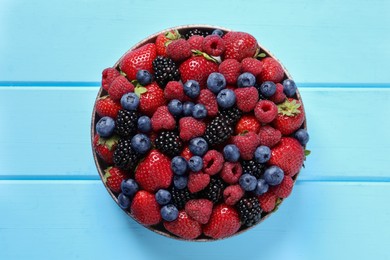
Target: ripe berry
[
  {"x": 195, "y": 163},
  {"x": 289, "y": 87},
  {"x": 198, "y": 146},
  {"x": 273, "y": 175},
  {"x": 130, "y": 101},
  {"x": 180, "y": 181},
  {"x": 262, "y": 154},
  {"x": 302, "y": 136},
  {"x": 163, "y": 197},
  {"x": 123, "y": 201},
  {"x": 216, "y": 82},
  {"x": 261, "y": 187},
  {"x": 226, "y": 98},
  {"x": 141, "y": 143},
  {"x": 265, "y": 111},
  {"x": 231, "y": 153},
  {"x": 144, "y": 77},
  {"x": 217, "y": 32},
  {"x": 214, "y": 45},
  {"x": 175, "y": 107},
  {"x": 267, "y": 88},
  {"x": 188, "y": 106},
  {"x": 199, "y": 111},
  {"x": 179, "y": 165},
  {"x": 105, "y": 126},
  {"x": 246, "y": 80},
  {"x": 191, "y": 88},
  {"x": 248, "y": 182},
  {"x": 169, "y": 212},
  {"x": 144, "y": 124},
  {"x": 129, "y": 187}
]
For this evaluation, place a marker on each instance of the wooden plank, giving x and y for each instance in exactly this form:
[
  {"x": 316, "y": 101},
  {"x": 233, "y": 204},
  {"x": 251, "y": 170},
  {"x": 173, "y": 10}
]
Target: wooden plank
[
  {"x": 318, "y": 41},
  {"x": 47, "y": 133},
  {"x": 77, "y": 219}
]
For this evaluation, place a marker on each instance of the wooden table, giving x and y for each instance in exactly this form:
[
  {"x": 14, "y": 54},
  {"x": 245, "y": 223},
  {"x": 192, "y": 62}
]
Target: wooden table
[{"x": 54, "y": 206}]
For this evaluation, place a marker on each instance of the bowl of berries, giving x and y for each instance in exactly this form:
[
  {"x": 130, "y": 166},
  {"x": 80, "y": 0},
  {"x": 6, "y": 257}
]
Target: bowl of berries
[{"x": 198, "y": 132}]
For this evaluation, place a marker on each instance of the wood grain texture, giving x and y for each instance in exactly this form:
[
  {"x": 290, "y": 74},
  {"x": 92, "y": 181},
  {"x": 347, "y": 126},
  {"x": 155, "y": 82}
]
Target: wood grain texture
[
  {"x": 77, "y": 219},
  {"x": 318, "y": 41}
]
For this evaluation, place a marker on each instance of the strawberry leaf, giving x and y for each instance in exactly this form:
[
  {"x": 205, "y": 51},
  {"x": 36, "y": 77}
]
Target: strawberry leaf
[
  {"x": 107, "y": 174},
  {"x": 307, "y": 152},
  {"x": 205, "y": 55},
  {"x": 262, "y": 55},
  {"x": 122, "y": 73},
  {"x": 139, "y": 90}
]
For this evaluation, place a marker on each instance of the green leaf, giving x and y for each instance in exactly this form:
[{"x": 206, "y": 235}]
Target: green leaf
[
  {"x": 139, "y": 90},
  {"x": 262, "y": 55},
  {"x": 205, "y": 55},
  {"x": 307, "y": 152},
  {"x": 122, "y": 73},
  {"x": 107, "y": 174}
]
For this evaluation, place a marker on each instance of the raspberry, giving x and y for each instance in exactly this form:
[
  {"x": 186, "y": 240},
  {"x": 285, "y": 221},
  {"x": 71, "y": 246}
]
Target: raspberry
[
  {"x": 196, "y": 42},
  {"x": 214, "y": 45},
  {"x": 119, "y": 87},
  {"x": 265, "y": 111},
  {"x": 162, "y": 119},
  {"x": 209, "y": 100},
  {"x": 269, "y": 136},
  {"x": 179, "y": 50},
  {"x": 232, "y": 194},
  {"x": 247, "y": 144},
  {"x": 279, "y": 96},
  {"x": 230, "y": 69},
  {"x": 190, "y": 127},
  {"x": 231, "y": 172},
  {"x": 174, "y": 90},
  {"x": 212, "y": 162},
  {"x": 200, "y": 210},
  {"x": 108, "y": 76},
  {"x": 246, "y": 98},
  {"x": 251, "y": 65},
  {"x": 267, "y": 201},
  {"x": 197, "y": 181}
]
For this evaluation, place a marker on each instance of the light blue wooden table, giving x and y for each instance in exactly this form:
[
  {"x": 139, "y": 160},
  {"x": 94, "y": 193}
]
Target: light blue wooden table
[{"x": 54, "y": 206}]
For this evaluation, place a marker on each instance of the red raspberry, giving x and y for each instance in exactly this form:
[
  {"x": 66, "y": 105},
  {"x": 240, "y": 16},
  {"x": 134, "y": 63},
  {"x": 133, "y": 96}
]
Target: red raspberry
[
  {"x": 113, "y": 178},
  {"x": 247, "y": 123},
  {"x": 190, "y": 127},
  {"x": 212, "y": 162},
  {"x": 196, "y": 42},
  {"x": 267, "y": 201},
  {"x": 279, "y": 96},
  {"x": 184, "y": 226},
  {"x": 284, "y": 189},
  {"x": 266, "y": 111},
  {"x": 231, "y": 172},
  {"x": 162, "y": 119},
  {"x": 197, "y": 181},
  {"x": 119, "y": 87},
  {"x": 186, "y": 153},
  {"x": 271, "y": 71},
  {"x": 174, "y": 90},
  {"x": 232, "y": 194},
  {"x": 200, "y": 210},
  {"x": 230, "y": 69},
  {"x": 179, "y": 50},
  {"x": 209, "y": 100},
  {"x": 247, "y": 144},
  {"x": 269, "y": 136},
  {"x": 251, "y": 65},
  {"x": 214, "y": 45},
  {"x": 108, "y": 76},
  {"x": 106, "y": 106},
  {"x": 246, "y": 98},
  {"x": 224, "y": 222},
  {"x": 145, "y": 208}
]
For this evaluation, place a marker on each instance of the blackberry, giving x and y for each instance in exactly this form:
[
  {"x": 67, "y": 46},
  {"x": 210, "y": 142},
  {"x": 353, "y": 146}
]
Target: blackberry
[
  {"x": 213, "y": 191},
  {"x": 165, "y": 70},
  {"x": 126, "y": 123},
  {"x": 124, "y": 156},
  {"x": 169, "y": 143},
  {"x": 253, "y": 168},
  {"x": 222, "y": 126},
  {"x": 196, "y": 31},
  {"x": 180, "y": 197},
  {"x": 249, "y": 211}
]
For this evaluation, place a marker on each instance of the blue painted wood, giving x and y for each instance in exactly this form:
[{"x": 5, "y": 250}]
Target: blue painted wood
[
  {"x": 318, "y": 41},
  {"x": 77, "y": 219}
]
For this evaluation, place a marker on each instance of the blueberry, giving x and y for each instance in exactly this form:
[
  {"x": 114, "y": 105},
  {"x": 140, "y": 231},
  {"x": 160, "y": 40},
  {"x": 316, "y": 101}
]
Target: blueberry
[
  {"x": 198, "y": 146},
  {"x": 141, "y": 143},
  {"x": 124, "y": 201},
  {"x": 144, "y": 77},
  {"x": 231, "y": 153},
  {"x": 105, "y": 126},
  {"x": 302, "y": 136},
  {"x": 226, "y": 98},
  {"x": 179, "y": 165},
  {"x": 129, "y": 187},
  {"x": 144, "y": 124},
  {"x": 130, "y": 101},
  {"x": 180, "y": 181},
  {"x": 248, "y": 182},
  {"x": 273, "y": 175},
  {"x": 262, "y": 154},
  {"x": 191, "y": 88},
  {"x": 175, "y": 107},
  {"x": 199, "y": 111},
  {"x": 216, "y": 82},
  {"x": 169, "y": 212},
  {"x": 163, "y": 197},
  {"x": 246, "y": 80},
  {"x": 217, "y": 32},
  {"x": 195, "y": 163},
  {"x": 289, "y": 87},
  {"x": 267, "y": 88},
  {"x": 261, "y": 187},
  {"x": 188, "y": 106}
]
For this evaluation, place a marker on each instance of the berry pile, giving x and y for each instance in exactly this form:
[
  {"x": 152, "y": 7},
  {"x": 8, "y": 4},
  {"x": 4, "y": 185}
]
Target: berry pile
[{"x": 199, "y": 134}]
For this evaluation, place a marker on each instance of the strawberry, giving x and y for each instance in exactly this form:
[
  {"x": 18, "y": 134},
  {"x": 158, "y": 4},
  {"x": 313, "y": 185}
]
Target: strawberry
[
  {"x": 164, "y": 39},
  {"x": 246, "y": 98},
  {"x": 108, "y": 76},
  {"x": 145, "y": 208},
  {"x": 197, "y": 181},
  {"x": 212, "y": 162},
  {"x": 184, "y": 226},
  {"x": 179, "y": 50},
  {"x": 209, "y": 100},
  {"x": 232, "y": 194},
  {"x": 199, "y": 209},
  {"x": 290, "y": 116},
  {"x": 224, "y": 222},
  {"x": 269, "y": 136},
  {"x": 251, "y": 65},
  {"x": 230, "y": 69},
  {"x": 119, "y": 87},
  {"x": 105, "y": 147},
  {"x": 271, "y": 71},
  {"x": 138, "y": 59},
  {"x": 213, "y": 45},
  {"x": 196, "y": 42},
  {"x": 186, "y": 153},
  {"x": 152, "y": 99},
  {"x": 247, "y": 123},
  {"x": 267, "y": 201},
  {"x": 239, "y": 45},
  {"x": 106, "y": 106},
  {"x": 174, "y": 90},
  {"x": 284, "y": 189},
  {"x": 154, "y": 172},
  {"x": 190, "y": 127},
  {"x": 113, "y": 178},
  {"x": 265, "y": 111},
  {"x": 162, "y": 119},
  {"x": 279, "y": 96},
  {"x": 197, "y": 68},
  {"x": 231, "y": 172},
  {"x": 289, "y": 155},
  {"x": 247, "y": 144}
]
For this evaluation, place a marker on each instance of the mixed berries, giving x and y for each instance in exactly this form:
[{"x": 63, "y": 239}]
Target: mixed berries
[{"x": 200, "y": 134}]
